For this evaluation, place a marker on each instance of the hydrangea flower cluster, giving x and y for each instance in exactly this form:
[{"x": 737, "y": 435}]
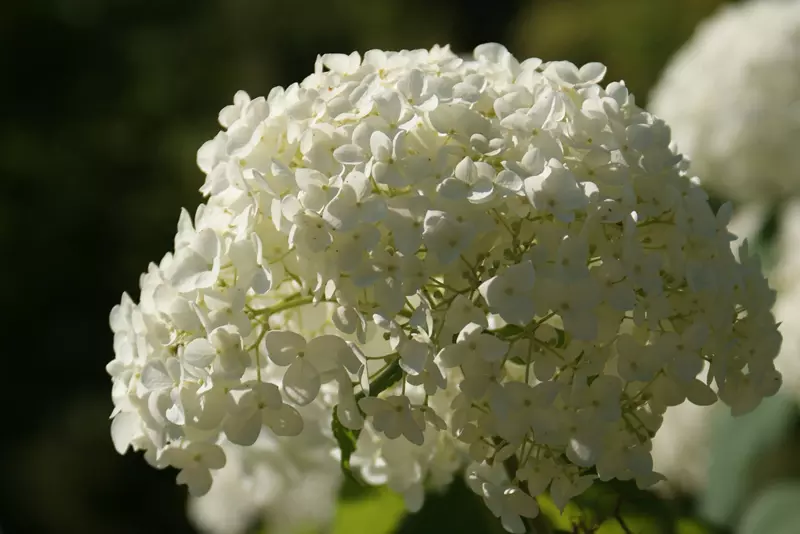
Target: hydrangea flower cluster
[
  {"x": 732, "y": 98},
  {"x": 470, "y": 265}
]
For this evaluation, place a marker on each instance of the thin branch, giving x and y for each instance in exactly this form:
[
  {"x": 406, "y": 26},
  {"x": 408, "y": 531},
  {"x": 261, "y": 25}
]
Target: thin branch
[{"x": 618, "y": 516}]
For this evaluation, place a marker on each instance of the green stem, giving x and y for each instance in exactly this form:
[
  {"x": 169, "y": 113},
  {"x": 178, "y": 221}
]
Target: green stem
[
  {"x": 286, "y": 305},
  {"x": 618, "y": 516},
  {"x": 384, "y": 380}
]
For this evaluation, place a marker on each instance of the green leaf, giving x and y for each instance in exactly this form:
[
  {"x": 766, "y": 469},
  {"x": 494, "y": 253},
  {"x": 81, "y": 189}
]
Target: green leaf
[
  {"x": 741, "y": 448},
  {"x": 379, "y": 512},
  {"x": 456, "y": 509},
  {"x": 774, "y": 511},
  {"x": 635, "y": 524},
  {"x": 562, "y": 521},
  {"x": 346, "y": 439},
  {"x": 692, "y": 526},
  {"x": 353, "y": 489},
  {"x": 606, "y": 499},
  {"x": 507, "y": 331},
  {"x": 561, "y": 340},
  {"x": 641, "y": 524},
  {"x": 643, "y": 511}
]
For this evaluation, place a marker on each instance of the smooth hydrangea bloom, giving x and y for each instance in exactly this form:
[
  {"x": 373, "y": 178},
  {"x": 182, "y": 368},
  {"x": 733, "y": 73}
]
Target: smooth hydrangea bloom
[
  {"x": 485, "y": 266},
  {"x": 732, "y": 98}
]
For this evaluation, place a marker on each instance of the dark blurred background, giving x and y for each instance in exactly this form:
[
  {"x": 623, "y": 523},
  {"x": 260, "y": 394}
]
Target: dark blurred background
[{"x": 104, "y": 104}]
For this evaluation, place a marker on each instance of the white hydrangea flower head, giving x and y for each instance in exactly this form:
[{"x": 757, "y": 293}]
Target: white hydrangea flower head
[
  {"x": 732, "y": 98},
  {"x": 484, "y": 263}
]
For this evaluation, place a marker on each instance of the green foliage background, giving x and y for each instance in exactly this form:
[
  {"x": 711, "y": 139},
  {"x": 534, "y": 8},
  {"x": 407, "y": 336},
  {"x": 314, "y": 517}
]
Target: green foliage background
[{"x": 104, "y": 104}]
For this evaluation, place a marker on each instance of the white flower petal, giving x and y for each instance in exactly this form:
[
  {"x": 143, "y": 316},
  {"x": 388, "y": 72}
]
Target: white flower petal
[
  {"x": 284, "y": 422},
  {"x": 283, "y": 346},
  {"x": 301, "y": 382},
  {"x": 199, "y": 353},
  {"x": 124, "y": 428},
  {"x": 349, "y": 155},
  {"x": 155, "y": 376},
  {"x": 244, "y": 429},
  {"x": 198, "y": 479}
]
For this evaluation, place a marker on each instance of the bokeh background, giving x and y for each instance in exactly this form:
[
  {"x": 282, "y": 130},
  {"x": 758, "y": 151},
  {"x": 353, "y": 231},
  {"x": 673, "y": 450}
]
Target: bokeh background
[{"x": 104, "y": 104}]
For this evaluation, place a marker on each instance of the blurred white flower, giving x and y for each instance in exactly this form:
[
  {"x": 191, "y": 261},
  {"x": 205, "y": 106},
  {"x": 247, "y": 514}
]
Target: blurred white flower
[
  {"x": 787, "y": 306},
  {"x": 681, "y": 447},
  {"x": 732, "y": 98}
]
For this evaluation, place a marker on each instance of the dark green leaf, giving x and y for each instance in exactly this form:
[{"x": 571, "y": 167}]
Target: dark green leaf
[
  {"x": 507, "y": 331},
  {"x": 561, "y": 339},
  {"x": 774, "y": 511},
  {"x": 736, "y": 444},
  {"x": 457, "y": 509},
  {"x": 377, "y": 512}
]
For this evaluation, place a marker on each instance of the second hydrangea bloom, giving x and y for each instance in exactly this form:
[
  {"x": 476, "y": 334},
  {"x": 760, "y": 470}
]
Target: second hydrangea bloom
[
  {"x": 484, "y": 265},
  {"x": 732, "y": 97}
]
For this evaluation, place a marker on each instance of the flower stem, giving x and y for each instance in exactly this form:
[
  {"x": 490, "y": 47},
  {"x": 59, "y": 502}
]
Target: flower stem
[
  {"x": 287, "y": 304},
  {"x": 384, "y": 380},
  {"x": 618, "y": 516}
]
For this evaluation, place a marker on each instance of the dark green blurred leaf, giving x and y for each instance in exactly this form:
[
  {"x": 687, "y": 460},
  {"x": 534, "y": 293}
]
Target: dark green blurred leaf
[
  {"x": 735, "y": 445},
  {"x": 378, "y": 512},
  {"x": 457, "y": 509},
  {"x": 353, "y": 489},
  {"x": 693, "y": 526},
  {"x": 647, "y": 525},
  {"x": 605, "y": 499},
  {"x": 507, "y": 331},
  {"x": 561, "y": 340},
  {"x": 775, "y": 511},
  {"x": 643, "y": 511},
  {"x": 765, "y": 242},
  {"x": 563, "y": 521},
  {"x": 633, "y": 38}
]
